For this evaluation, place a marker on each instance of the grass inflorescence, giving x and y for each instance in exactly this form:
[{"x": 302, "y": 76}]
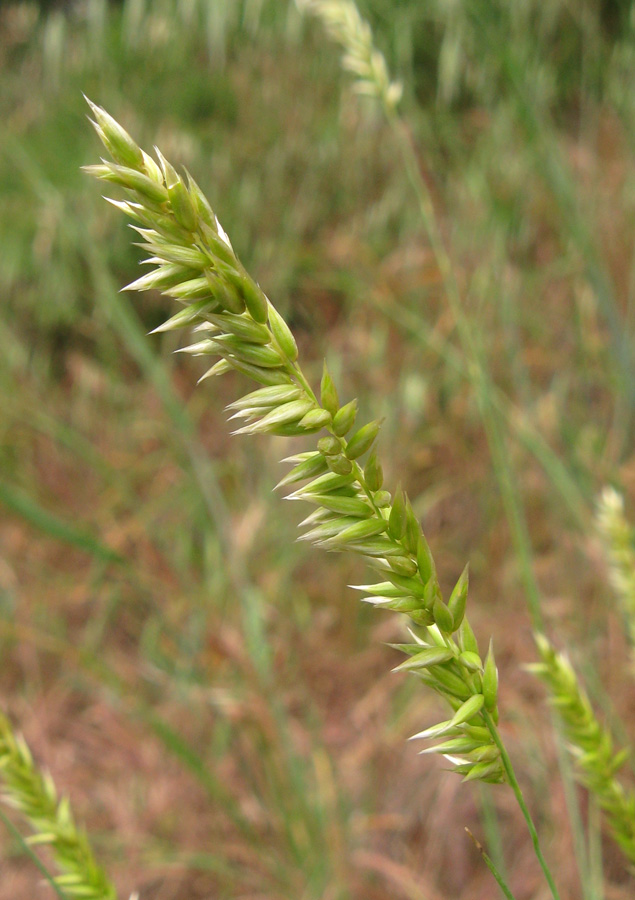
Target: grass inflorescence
[
  {"x": 193, "y": 261},
  {"x": 25, "y": 788},
  {"x": 590, "y": 743},
  {"x": 618, "y": 541}
]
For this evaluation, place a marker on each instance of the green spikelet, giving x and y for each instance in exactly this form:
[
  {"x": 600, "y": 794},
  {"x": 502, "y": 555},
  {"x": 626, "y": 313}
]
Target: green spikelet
[
  {"x": 33, "y": 794},
  {"x": 590, "y": 744}
]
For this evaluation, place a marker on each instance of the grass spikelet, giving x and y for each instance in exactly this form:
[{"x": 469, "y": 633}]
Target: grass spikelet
[
  {"x": 590, "y": 744},
  {"x": 361, "y": 58},
  {"x": 25, "y": 788},
  {"x": 618, "y": 542}
]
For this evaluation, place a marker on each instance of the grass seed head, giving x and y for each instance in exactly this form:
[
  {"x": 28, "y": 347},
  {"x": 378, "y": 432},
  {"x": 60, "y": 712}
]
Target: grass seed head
[{"x": 194, "y": 262}]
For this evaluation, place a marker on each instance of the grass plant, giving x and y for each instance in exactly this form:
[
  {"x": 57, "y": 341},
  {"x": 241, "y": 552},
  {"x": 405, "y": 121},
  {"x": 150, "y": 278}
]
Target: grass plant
[{"x": 195, "y": 264}]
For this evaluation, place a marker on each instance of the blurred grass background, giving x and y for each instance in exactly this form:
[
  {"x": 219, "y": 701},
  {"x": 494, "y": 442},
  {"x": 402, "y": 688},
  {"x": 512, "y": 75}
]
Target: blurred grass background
[{"x": 213, "y": 697}]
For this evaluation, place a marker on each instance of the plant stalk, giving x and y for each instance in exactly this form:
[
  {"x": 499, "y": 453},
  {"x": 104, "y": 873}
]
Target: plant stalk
[{"x": 513, "y": 783}]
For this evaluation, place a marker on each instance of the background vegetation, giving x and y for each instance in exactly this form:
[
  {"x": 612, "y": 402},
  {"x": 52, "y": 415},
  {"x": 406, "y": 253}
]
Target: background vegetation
[{"x": 215, "y": 700}]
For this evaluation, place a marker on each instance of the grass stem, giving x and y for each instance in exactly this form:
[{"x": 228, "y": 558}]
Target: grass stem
[
  {"x": 498, "y": 877},
  {"x": 513, "y": 782}
]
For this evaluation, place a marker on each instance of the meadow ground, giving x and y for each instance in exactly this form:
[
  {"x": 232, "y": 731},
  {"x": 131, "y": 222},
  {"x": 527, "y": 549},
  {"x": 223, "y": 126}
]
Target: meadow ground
[{"x": 210, "y": 693}]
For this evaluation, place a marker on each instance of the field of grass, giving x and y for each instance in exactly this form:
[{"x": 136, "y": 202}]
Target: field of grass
[{"x": 209, "y": 692}]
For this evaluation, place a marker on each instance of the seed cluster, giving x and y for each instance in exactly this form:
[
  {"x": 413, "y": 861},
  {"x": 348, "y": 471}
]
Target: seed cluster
[
  {"x": 618, "y": 542},
  {"x": 361, "y": 58},
  {"x": 233, "y": 321},
  {"x": 590, "y": 744},
  {"x": 25, "y": 788}
]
